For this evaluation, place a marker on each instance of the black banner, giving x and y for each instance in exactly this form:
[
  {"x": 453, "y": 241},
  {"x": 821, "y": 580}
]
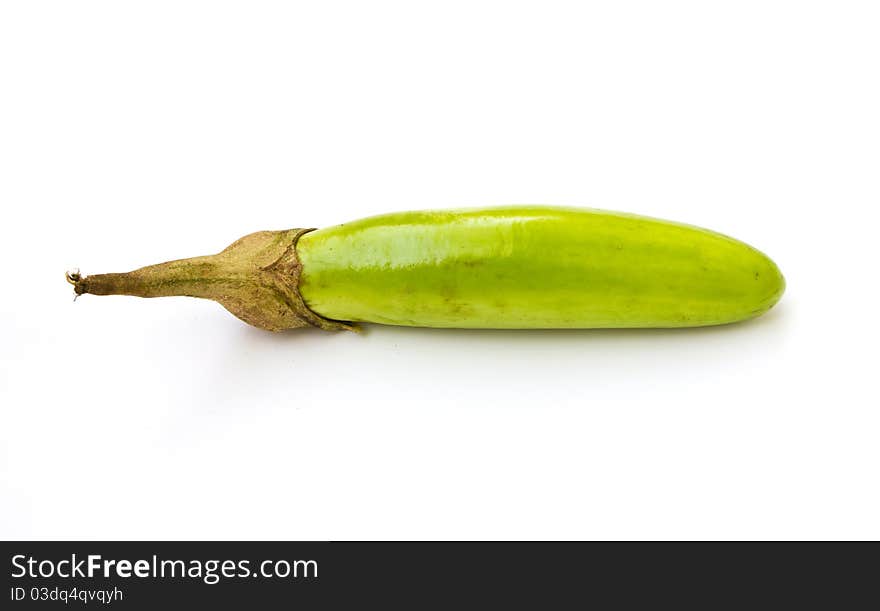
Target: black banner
[{"x": 146, "y": 575}]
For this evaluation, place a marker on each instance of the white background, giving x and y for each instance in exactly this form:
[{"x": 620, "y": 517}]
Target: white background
[{"x": 132, "y": 133}]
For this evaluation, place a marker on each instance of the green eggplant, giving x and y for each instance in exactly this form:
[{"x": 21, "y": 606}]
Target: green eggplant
[{"x": 516, "y": 267}]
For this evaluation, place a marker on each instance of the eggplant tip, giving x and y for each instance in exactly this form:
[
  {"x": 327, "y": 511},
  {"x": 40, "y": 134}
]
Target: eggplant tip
[{"x": 75, "y": 278}]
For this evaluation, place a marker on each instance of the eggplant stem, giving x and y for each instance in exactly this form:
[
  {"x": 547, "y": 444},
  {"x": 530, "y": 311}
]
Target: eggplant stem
[{"x": 256, "y": 278}]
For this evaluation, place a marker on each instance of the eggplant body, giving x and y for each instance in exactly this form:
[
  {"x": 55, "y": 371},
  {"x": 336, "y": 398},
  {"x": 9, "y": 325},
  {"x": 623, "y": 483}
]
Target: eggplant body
[{"x": 532, "y": 267}]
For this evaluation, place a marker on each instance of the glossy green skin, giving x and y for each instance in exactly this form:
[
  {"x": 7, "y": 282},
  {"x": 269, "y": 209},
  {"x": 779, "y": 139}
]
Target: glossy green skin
[{"x": 530, "y": 267}]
